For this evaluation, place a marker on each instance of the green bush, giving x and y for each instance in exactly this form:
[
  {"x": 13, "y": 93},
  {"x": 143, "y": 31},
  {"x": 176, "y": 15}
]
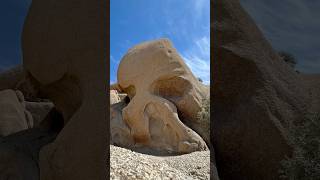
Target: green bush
[{"x": 305, "y": 163}]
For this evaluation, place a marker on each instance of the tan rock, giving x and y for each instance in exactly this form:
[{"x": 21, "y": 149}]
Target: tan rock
[
  {"x": 116, "y": 87},
  {"x": 114, "y": 97},
  {"x": 119, "y": 131},
  {"x": 159, "y": 85},
  {"x": 13, "y": 115},
  {"x": 63, "y": 44}
]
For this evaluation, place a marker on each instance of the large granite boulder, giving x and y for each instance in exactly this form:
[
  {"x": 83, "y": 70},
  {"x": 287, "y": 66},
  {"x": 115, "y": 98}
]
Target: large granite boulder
[
  {"x": 165, "y": 98},
  {"x": 64, "y": 52},
  {"x": 255, "y": 97}
]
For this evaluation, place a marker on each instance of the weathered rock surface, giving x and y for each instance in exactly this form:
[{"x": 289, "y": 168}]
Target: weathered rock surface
[
  {"x": 255, "y": 96},
  {"x": 114, "y": 97},
  {"x": 63, "y": 44},
  {"x": 11, "y": 77},
  {"x": 17, "y": 79},
  {"x": 13, "y": 115},
  {"x": 164, "y": 89},
  {"x": 39, "y": 111},
  {"x": 127, "y": 164},
  {"x": 119, "y": 131}
]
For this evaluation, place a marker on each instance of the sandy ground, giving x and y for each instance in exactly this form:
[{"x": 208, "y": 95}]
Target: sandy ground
[{"x": 127, "y": 164}]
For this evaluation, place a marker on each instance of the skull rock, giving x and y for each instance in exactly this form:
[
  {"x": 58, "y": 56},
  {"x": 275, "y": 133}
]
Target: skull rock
[{"x": 165, "y": 98}]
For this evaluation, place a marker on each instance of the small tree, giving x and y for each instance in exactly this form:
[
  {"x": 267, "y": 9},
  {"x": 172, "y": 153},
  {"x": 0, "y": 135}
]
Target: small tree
[
  {"x": 199, "y": 79},
  {"x": 288, "y": 58}
]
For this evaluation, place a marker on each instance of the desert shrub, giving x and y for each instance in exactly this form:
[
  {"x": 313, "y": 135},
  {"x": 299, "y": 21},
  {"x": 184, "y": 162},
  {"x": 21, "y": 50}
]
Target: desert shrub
[
  {"x": 288, "y": 58},
  {"x": 305, "y": 162},
  {"x": 203, "y": 117}
]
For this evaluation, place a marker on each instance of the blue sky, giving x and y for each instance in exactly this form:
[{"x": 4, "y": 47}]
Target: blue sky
[
  {"x": 12, "y": 15},
  {"x": 185, "y": 22},
  {"x": 290, "y": 25}
]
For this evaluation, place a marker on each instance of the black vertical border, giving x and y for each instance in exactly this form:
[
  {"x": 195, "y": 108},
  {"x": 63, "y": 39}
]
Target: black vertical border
[
  {"x": 107, "y": 88},
  {"x": 212, "y": 155}
]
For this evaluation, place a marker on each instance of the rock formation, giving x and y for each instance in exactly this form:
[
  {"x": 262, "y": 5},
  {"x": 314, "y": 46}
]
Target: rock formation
[
  {"x": 114, "y": 97},
  {"x": 119, "y": 130},
  {"x": 13, "y": 115},
  {"x": 39, "y": 111},
  {"x": 255, "y": 97},
  {"x": 164, "y": 98},
  {"x": 11, "y": 77},
  {"x": 17, "y": 79},
  {"x": 63, "y": 45}
]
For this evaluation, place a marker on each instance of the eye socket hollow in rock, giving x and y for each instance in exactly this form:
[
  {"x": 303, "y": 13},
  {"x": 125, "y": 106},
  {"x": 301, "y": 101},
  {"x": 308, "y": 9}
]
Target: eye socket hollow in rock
[
  {"x": 131, "y": 91},
  {"x": 126, "y": 99},
  {"x": 171, "y": 88}
]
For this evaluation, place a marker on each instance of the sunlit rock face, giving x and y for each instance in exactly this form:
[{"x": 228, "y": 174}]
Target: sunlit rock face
[{"x": 163, "y": 99}]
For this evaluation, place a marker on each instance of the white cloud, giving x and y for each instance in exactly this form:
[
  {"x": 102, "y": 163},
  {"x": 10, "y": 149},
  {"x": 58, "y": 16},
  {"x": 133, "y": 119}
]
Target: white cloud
[
  {"x": 203, "y": 45},
  {"x": 198, "y": 58},
  {"x": 112, "y": 59},
  {"x": 199, "y": 6}
]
